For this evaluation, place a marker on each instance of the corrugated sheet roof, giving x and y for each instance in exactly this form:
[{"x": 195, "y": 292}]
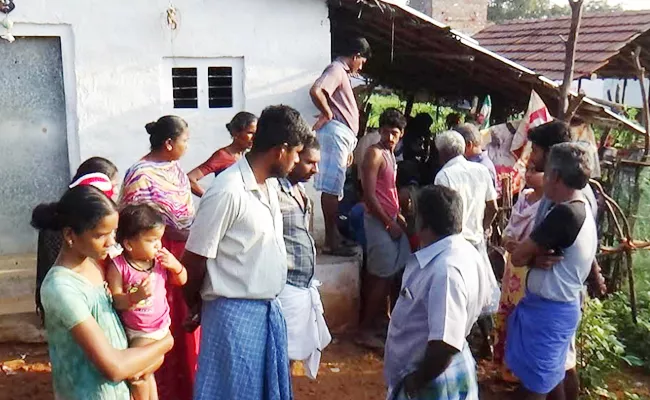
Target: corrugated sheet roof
[
  {"x": 604, "y": 43},
  {"x": 413, "y": 52}
]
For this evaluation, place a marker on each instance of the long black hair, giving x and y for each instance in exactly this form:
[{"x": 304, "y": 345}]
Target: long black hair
[{"x": 80, "y": 209}]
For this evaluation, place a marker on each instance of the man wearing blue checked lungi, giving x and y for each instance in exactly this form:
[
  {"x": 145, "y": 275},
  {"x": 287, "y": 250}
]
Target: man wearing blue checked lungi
[
  {"x": 237, "y": 265},
  {"x": 427, "y": 356}
]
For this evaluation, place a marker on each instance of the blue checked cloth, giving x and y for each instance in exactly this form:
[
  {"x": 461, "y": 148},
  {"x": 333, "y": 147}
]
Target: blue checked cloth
[
  {"x": 243, "y": 351},
  {"x": 458, "y": 382},
  {"x": 337, "y": 142},
  {"x": 539, "y": 334}
]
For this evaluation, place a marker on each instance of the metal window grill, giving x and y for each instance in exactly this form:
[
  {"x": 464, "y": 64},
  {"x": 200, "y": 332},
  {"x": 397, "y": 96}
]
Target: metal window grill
[
  {"x": 184, "y": 81},
  {"x": 220, "y": 87}
]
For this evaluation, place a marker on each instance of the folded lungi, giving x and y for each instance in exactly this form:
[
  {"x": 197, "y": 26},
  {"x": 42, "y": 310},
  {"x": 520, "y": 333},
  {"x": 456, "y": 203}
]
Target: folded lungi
[
  {"x": 337, "y": 142},
  {"x": 539, "y": 334},
  {"x": 306, "y": 328},
  {"x": 243, "y": 351},
  {"x": 457, "y": 382}
]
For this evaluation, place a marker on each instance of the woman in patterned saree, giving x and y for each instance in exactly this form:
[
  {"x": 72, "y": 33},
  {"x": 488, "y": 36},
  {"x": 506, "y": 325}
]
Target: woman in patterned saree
[
  {"x": 158, "y": 178},
  {"x": 513, "y": 285}
]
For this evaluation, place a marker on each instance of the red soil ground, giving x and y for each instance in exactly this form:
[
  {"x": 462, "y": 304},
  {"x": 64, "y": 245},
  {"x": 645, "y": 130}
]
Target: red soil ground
[{"x": 347, "y": 372}]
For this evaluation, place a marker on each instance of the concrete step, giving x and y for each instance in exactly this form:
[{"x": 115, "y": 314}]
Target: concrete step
[
  {"x": 341, "y": 291},
  {"x": 17, "y": 283},
  {"x": 21, "y": 328}
]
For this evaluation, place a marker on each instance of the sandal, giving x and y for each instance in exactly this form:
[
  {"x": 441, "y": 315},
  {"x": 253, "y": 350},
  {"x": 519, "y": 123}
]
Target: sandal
[
  {"x": 348, "y": 242},
  {"x": 370, "y": 341},
  {"x": 341, "y": 251}
]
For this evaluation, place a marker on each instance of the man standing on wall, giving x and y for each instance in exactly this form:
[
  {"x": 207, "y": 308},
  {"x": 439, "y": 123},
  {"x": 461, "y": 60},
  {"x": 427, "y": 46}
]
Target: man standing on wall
[
  {"x": 237, "y": 239},
  {"x": 337, "y": 128},
  {"x": 301, "y": 305},
  {"x": 386, "y": 243}
]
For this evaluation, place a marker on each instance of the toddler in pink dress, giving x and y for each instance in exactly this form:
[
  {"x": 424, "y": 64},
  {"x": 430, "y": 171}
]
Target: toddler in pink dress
[{"x": 137, "y": 280}]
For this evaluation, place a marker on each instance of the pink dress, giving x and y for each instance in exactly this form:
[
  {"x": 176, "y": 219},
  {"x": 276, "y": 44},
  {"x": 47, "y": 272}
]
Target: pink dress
[{"x": 152, "y": 314}]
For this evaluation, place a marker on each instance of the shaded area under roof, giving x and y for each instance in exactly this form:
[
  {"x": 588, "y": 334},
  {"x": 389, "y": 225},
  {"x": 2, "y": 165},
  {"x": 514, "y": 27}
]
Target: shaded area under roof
[
  {"x": 413, "y": 52},
  {"x": 605, "y": 43}
]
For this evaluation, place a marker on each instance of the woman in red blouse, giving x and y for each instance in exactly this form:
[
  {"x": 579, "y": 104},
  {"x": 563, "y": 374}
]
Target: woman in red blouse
[{"x": 242, "y": 129}]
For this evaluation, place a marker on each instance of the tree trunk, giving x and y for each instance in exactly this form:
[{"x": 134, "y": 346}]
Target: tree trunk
[
  {"x": 640, "y": 70},
  {"x": 570, "y": 56}
]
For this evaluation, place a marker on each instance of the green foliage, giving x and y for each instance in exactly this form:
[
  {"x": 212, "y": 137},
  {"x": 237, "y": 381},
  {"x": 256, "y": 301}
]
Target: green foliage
[
  {"x": 381, "y": 102},
  {"x": 504, "y": 10},
  {"x": 623, "y": 137},
  {"x": 608, "y": 338},
  {"x": 599, "y": 350},
  {"x": 635, "y": 337}
]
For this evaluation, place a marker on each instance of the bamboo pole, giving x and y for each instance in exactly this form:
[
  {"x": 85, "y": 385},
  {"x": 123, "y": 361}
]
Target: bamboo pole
[
  {"x": 640, "y": 71},
  {"x": 570, "y": 56}
]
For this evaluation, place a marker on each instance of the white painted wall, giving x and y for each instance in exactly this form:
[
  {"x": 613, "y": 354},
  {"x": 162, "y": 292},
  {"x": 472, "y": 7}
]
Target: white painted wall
[
  {"x": 598, "y": 89},
  {"x": 116, "y": 73}
]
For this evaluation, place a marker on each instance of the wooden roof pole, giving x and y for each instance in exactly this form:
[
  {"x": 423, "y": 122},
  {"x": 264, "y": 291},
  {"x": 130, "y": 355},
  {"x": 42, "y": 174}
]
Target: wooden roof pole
[
  {"x": 640, "y": 71},
  {"x": 570, "y": 58}
]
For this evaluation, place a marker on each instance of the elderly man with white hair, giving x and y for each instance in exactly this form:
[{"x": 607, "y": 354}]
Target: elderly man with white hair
[
  {"x": 474, "y": 184},
  {"x": 474, "y": 150}
]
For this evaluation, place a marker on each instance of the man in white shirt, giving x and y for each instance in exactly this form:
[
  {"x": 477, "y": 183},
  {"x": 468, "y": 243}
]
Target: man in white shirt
[
  {"x": 237, "y": 265},
  {"x": 427, "y": 355},
  {"x": 472, "y": 181},
  {"x": 476, "y": 188}
]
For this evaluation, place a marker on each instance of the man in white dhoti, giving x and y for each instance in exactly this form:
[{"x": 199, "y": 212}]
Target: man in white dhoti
[{"x": 301, "y": 305}]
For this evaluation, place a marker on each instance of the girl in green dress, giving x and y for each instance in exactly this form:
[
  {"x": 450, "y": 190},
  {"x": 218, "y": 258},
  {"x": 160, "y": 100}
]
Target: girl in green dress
[{"x": 88, "y": 348}]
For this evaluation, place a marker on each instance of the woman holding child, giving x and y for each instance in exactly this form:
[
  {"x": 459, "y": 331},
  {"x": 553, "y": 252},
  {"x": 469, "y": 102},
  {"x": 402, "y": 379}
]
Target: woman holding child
[
  {"x": 513, "y": 285},
  {"x": 87, "y": 344},
  {"x": 158, "y": 179}
]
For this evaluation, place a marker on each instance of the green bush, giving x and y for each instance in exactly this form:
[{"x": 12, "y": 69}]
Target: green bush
[
  {"x": 382, "y": 102},
  {"x": 635, "y": 337},
  {"x": 599, "y": 350}
]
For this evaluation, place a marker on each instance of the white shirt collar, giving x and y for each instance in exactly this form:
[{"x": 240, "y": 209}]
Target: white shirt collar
[
  {"x": 426, "y": 255},
  {"x": 454, "y": 161},
  {"x": 250, "y": 183}
]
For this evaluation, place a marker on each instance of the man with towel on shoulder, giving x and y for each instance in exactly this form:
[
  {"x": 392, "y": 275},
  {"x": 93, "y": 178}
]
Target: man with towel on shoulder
[
  {"x": 307, "y": 331},
  {"x": 542, "y": 325}
]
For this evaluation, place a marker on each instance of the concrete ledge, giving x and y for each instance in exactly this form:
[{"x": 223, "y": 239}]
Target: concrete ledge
[
  {"x": 340, "y": 293},
  {"x": 21, "y": 328},
  {"x": 341, "y": 290},
  {"x": 17, "y": 283}
]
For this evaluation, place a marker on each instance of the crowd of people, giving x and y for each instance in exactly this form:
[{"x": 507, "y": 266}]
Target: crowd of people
[{"x": 143, "y": 297}]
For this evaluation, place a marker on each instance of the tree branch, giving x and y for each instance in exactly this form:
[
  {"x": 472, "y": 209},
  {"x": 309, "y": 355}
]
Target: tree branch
[
  {"x": 570, "y": 56},
  {"x": 640, "y": 73}
]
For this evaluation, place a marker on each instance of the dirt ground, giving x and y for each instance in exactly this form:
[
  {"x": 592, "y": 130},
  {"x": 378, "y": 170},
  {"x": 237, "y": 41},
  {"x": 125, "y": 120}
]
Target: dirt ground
[{"x": 347, "y": 372}]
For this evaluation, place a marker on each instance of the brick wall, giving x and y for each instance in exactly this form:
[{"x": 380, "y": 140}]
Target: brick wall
[{"x": 469, "y": 16}]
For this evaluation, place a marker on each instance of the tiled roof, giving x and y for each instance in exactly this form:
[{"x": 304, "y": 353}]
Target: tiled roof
[{"x": 604, "y": 43}]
